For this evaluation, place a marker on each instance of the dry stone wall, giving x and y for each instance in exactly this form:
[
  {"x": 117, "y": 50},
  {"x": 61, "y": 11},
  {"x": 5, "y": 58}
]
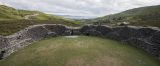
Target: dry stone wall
[
  {"x": 146, "y": 38},
  {"x": 12, "y": 43}
]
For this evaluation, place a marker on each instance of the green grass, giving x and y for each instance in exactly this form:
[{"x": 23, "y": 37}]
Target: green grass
[
  {"x": 80, "y": 51},
  {"x": 12, "y": 13}
]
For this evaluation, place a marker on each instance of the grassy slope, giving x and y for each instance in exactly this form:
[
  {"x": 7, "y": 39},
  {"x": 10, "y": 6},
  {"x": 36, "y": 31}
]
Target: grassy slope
[
  {"x": 139, "y": 16},
  {"x": 13, "y": 20},
  {"x": 12, "y": 13},
  {"x": 81, "y": 51},
  {"x": 8, "y": 27}
]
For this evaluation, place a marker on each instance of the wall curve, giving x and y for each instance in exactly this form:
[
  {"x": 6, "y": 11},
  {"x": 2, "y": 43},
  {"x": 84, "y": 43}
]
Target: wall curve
[{"x": 146, "y": 38}]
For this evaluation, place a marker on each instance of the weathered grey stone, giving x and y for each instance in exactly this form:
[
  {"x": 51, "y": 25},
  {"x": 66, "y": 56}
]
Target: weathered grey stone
[
  {"x": 12, "y": 43},
  {"x": 146, "y": 32},
  {"x": 146, "y": 38},
  {"x": 2, "y": 45},
  {"x": 156, "y": 38},
  {"x": 58, "y": 29},
  {"x": 145, "y": 45},
  {"x": 104, "y": 29},
  {"x": 2, "y": 42},
  {"x": 90, "y": 30}
]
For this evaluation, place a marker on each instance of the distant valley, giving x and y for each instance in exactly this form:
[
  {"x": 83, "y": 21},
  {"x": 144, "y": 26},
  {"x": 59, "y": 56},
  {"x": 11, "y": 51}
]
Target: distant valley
[{"x": 77, "y": 17}]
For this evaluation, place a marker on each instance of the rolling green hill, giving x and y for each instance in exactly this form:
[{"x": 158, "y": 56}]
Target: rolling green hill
[
  {"x": 12, "y": 13},
  {"x": 13, "y": 20},
  {"x": 143, "y": 16}
]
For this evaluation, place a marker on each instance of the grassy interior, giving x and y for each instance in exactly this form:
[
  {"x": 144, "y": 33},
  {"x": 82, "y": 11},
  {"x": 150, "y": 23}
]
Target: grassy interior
[{"x": 79, "y": 51}]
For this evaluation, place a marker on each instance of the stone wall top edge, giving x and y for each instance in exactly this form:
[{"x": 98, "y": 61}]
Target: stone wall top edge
[{"x": 33, "y": 26}]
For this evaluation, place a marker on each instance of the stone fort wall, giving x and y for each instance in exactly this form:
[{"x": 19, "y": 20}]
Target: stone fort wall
[{"x": 146, "y": 38}]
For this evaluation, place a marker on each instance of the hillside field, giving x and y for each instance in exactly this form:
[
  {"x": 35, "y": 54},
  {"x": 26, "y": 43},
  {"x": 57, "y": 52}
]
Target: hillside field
[
  {"x": 13, "y": 20},
  {"x": 142, "y": 16}
]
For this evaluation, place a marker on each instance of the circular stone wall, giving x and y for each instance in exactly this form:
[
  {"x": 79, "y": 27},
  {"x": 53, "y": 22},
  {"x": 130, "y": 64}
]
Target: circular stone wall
[{"x": 146, "y": 38}]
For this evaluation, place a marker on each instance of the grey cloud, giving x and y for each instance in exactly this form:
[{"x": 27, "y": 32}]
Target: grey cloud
[{"x": 79, "y": 7}]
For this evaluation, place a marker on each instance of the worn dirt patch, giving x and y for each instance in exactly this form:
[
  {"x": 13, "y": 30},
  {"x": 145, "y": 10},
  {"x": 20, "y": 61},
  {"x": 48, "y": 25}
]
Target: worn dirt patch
[
  {"x": 107, "y": 61},
  {"x": 76, "y": 62}
]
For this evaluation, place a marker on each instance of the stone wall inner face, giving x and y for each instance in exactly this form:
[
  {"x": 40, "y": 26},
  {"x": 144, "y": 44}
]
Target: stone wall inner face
[{"x": 146, "y": 38}]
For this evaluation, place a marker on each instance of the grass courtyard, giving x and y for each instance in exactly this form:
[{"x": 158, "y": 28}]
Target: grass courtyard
[{"x": 79, "y": 51}]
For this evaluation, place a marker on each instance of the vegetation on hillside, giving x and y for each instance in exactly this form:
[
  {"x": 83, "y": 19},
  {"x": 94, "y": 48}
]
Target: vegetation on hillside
[
  {"x": 13, "y": 20},
  {"x": 144, "y": 16},
  {"x": 8, "y": 27},
  {"x": 12, "y": 13}
]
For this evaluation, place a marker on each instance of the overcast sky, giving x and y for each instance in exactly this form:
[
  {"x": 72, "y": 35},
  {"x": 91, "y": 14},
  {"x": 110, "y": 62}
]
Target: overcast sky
[{"x": 79, "y": 7}]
